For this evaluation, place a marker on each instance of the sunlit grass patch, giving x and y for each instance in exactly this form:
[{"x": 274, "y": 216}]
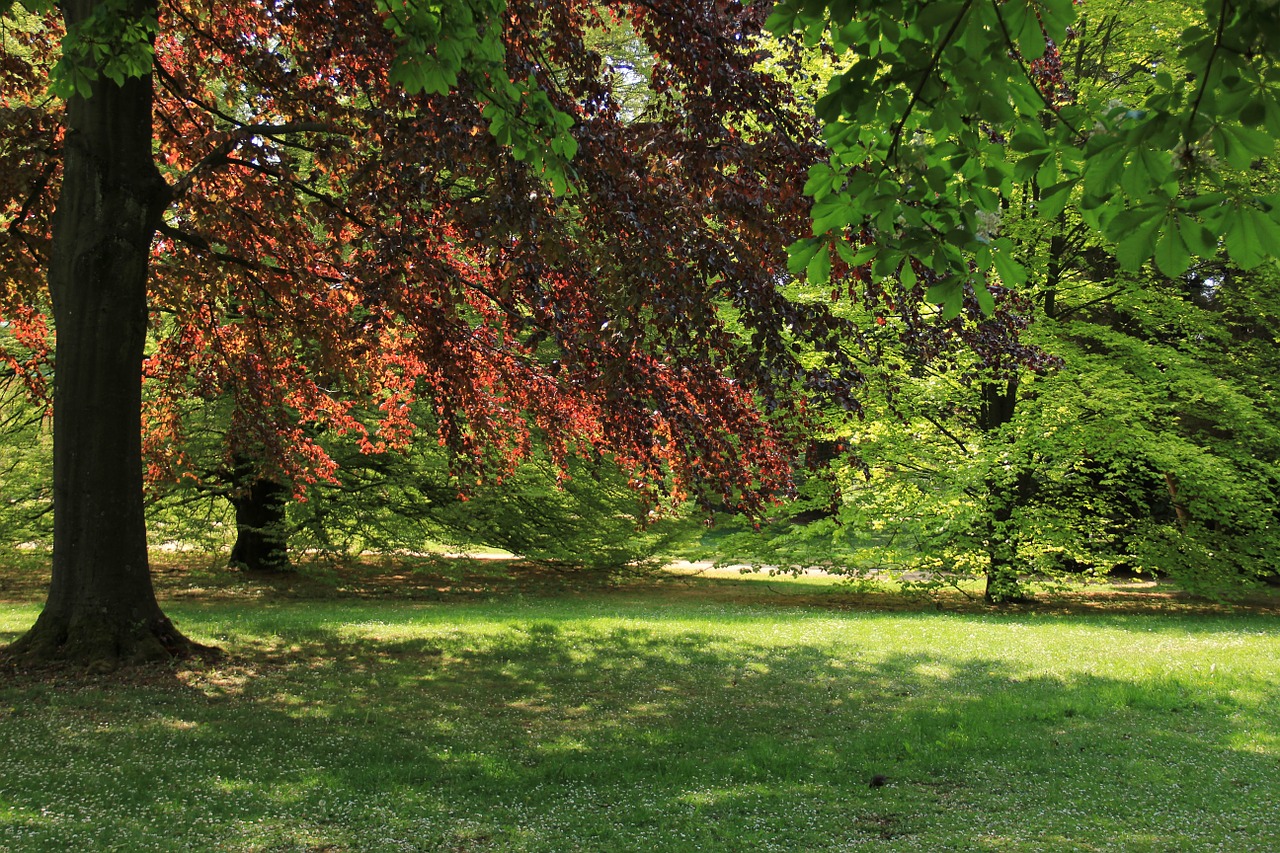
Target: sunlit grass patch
[
  {"x": 638, "y": 720},
  {"x": 14, "y": 619}
]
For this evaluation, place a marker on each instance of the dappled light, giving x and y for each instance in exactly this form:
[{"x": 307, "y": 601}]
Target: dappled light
[
  {"x": 619, "y": 720},
  {"x": 655, "y": 425}
]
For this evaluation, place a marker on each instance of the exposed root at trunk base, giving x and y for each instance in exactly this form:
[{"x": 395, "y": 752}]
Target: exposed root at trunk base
[{"x": 101, "y": 644}]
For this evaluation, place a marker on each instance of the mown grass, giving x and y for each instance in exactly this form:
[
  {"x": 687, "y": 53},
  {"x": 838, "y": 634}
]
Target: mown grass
[{"x": 652, "y": 717}]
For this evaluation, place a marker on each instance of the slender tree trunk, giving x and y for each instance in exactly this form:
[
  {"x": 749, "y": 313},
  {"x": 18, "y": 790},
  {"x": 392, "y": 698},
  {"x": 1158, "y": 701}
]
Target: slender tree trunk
[
  {"x": 102, "y": 608},
  {"x": 1180, "y": 510},
  {"x": 262, "y": 543}
]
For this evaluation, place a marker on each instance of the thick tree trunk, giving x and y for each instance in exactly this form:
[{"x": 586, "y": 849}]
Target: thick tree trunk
[
  {"x": 102, "y": 608},
  {"x": 261, "y": 538}
]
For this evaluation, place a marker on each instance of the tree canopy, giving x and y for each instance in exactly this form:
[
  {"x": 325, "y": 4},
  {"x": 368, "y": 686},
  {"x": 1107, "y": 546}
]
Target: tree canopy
[
  {"x": 370, "y": 214},
  {"x": 944, "y": 106},
  {"x": 384, "y": 221},
  {"x": 1069, "y": 383}
]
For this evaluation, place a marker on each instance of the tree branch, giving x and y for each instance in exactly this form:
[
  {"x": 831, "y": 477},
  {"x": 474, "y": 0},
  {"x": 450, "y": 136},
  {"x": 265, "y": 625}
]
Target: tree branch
[
  {"x": 1026, "y": 72},
  {"x": 942, "y": 429},
  {"x": 1208, "y": 66},
  {"x": 924, "y": 80}
]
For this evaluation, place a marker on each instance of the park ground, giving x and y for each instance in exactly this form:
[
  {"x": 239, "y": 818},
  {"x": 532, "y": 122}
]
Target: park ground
[{"x": 429, "y": 704}]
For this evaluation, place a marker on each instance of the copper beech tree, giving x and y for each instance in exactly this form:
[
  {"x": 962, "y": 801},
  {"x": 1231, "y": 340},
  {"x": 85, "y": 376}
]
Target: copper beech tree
[{"x": 307, "y": 208}]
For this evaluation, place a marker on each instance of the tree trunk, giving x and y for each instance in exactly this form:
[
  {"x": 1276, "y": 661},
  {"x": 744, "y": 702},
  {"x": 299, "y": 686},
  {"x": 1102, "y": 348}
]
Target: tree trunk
[
  {"x": 102, "y": 609},
  {"x": 261, "y": 540},
  {"x": 1180, "y": 510}
]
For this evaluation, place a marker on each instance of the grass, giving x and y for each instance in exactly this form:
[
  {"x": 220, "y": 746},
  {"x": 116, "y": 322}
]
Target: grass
[{"x": 482, "y": 709}]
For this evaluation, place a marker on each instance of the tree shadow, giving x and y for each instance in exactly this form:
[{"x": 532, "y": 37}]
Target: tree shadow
[{"x": 558, "y": 733}]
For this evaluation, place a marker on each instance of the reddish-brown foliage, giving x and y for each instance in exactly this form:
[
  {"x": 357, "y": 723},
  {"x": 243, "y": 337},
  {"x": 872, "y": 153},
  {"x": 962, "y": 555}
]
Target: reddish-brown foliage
[{"x": 335, "y": 244}]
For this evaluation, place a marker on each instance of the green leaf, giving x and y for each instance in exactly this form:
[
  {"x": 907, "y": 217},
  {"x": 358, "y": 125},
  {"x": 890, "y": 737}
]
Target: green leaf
[
  {"x": 800, "y": 253},
  {"x": 1012, "y": 273},
  {"x": 834, "y": 216},
  {"x": 1026, "y": 97},
  {"x": 1256, "y": 142},
  {"x": 782, "y": 20},
  {"x": 1272, "y": 107},
  {"x": 1240, "y": 145},
  {"x": 855, "y": 259},
  {"x": 1102, "y": 169},
  {"x": 1048, "y": 174},
  {"x": 933, "y": 16},
  {"x": 1254, "y": 113},
  {"x": 907, "y": 276},
  {"x": 1029, "y": 140},
  {"x": 1134, "y": 250},
  {"x": 820, "y": 182},
  {"x": 1198, "y": 239},
  {"x": 559, "y": 182},
  {"x": 952, "y": 307},
  {"x": 1053, "y": 200},
  {"x": 940, "y": 292},
  {"x": 1172, "y": 255},
  {"x": 1133, "y": 218},
  {"x": 1244, "y": 243},
  {"x": 986, "y": 301},
  {"x": 819, "y": 268},
  {"x": 1266, "y": 228}
]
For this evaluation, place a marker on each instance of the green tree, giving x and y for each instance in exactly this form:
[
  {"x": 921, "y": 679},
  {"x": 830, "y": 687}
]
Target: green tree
[{"x": 975, "y": 463}]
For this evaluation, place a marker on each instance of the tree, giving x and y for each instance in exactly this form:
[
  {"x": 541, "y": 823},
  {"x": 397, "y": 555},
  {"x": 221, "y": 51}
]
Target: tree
[
  {"x": 436, "y": 202},
  {"x": 996, "y": 466},
  {"x": 580, "y": 513}
]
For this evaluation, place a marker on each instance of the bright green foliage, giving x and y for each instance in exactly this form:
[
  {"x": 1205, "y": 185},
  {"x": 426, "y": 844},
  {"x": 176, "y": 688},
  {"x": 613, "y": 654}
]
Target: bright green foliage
[
  {"x": 113, "y": 42},
  {"x": 1152, "y": 446},
  {"x": 946, "y": 105},
  {"x": 410, "y": 502},
  {"x": 579, "y": 512},
  {"x": 26, "y": 519}
]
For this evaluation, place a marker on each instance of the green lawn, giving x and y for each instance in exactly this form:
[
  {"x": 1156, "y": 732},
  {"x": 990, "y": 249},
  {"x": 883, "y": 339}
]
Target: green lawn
[{"x": 647, "y": 718}]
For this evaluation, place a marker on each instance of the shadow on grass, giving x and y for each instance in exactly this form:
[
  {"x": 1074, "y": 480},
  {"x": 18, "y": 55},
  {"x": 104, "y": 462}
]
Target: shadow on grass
[{"x": 549, "y": 733}]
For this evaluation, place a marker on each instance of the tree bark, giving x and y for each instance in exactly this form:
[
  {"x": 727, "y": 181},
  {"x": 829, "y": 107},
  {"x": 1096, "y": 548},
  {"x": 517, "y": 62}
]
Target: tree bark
[
  {"x": 262, "y": 543},
  {"x": 102, "y": 609},
  {"x": 1180, "y": 510}
]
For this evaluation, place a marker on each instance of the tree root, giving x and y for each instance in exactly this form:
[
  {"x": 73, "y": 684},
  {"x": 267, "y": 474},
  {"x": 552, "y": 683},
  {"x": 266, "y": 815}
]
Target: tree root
[{"x": 101, "y": 644}]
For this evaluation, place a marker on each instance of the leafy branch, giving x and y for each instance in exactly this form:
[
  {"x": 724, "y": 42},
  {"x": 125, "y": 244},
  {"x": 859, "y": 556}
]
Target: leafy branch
[
  {"x": 1026, "y": 72},
  {"x": 924, "y": 80},
  {"x": 1208, "y": 66}
]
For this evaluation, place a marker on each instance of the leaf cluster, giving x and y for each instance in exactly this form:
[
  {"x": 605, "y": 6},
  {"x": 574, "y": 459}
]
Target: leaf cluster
[{"x": 946, "y": 106}]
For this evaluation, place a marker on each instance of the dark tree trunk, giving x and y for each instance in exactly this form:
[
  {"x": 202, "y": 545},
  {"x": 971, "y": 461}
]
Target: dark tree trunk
[
  {"x": 261, "y": 538},
  {"x": 102, "y": 608}
]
